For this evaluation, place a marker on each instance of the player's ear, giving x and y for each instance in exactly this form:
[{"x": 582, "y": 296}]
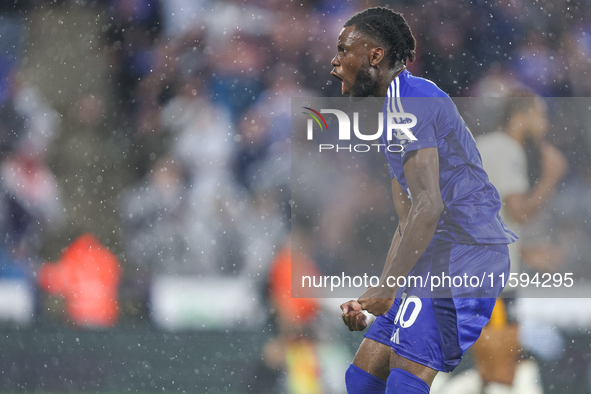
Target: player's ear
[{"x": 375, "y": 56}]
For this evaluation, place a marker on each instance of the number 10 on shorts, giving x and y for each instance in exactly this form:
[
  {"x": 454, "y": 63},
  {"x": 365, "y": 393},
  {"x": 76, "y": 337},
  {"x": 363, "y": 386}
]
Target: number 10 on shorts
[{"x": 404, "y": 303}]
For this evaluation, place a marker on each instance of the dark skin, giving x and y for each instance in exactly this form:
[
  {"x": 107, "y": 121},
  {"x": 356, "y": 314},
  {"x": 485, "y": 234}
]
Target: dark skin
[
  {"x": 364, "y": 70},
  {"x": 359, "y": 59}
]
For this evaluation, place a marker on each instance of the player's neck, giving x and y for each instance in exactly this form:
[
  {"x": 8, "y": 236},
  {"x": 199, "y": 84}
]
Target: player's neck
[
  {"x": 517, "y": 134},
  {"x": 389, "y": 76}
]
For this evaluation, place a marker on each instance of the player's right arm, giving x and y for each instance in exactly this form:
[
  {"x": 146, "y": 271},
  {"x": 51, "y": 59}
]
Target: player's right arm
[
  {"x": 402, "y": 205},
  {"x": 523, "y": 206},
  {"x": 352, "y": 315}
]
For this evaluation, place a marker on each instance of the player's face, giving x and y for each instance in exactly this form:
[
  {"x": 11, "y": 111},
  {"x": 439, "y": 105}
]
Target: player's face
[{"x": 351, "y": 64}]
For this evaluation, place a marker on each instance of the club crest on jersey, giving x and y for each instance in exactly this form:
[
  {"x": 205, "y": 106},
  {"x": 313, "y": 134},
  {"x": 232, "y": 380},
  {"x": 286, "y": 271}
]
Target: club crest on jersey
[{"x": 403, "y": 134}]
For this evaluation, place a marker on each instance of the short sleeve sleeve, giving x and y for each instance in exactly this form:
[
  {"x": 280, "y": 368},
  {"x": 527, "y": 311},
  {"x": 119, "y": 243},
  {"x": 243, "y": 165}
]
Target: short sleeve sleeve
[{"x": 417, "y": 115}]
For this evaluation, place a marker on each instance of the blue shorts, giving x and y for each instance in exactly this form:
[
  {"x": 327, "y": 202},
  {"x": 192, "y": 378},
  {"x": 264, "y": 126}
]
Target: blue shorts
[{"x": 436, "y": 328}]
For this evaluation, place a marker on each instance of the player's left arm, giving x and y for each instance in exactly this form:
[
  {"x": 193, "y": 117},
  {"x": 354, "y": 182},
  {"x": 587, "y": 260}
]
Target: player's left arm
[
  {"x": 421, "y": 170},
  {"x": 352, "y": 314}
]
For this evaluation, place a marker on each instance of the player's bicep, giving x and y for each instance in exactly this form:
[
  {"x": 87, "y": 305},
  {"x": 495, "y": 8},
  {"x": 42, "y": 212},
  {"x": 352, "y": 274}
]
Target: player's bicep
[
  {"x": 421, "y": 169},
  {"x": 516, "y": 207},
  {"x": 401, "y": 202}
]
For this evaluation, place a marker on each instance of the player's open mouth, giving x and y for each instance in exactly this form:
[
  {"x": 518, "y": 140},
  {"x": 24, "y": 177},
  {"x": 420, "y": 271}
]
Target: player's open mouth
[{"x": 337, "y": 76}]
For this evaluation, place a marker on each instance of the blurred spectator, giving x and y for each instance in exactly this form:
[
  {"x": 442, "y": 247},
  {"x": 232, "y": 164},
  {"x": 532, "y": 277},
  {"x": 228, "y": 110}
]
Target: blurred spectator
[
  {"x": 569, "y": 217},
  {"x": 131, "y": 34},
  {"x": 576, "y": 49},
  {"x": 263, "y": 227},
  {"x": 236, "y": 82},
  {"x": 154, "y": 212},
  {"x": 283, "y": 82},
  {"x": 254, "y": 139},
  {"x": 228, "y": 20},
  {"x": 202, "y": 130},
  {"x": 87, "y": 276},
  {"x": 181, "y": 17},
  {"x": 31, "y": 197},
  {"x": 294, "y": 350},
  {"x": 524, "y": 187},
  {"x": 537, "y": 66}
]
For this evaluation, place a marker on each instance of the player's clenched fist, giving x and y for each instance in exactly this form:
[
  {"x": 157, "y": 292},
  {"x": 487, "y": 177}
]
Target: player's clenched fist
[{"x": 353, "y": 317}]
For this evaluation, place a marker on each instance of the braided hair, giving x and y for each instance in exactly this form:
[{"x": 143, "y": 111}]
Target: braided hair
[{"x": 390, "y": 29}]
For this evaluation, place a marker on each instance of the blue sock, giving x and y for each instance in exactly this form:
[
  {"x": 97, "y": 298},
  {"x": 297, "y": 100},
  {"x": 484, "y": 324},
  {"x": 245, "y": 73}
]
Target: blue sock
[
  {"x": 402, "y": 382},
  {"x": 360, "y": 382}
]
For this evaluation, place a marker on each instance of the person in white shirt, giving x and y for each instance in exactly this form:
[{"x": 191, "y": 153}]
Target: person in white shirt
[{"x": 504, "y": 157}]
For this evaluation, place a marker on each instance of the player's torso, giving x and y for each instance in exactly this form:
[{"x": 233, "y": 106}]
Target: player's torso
[{"x": 471, "y": 202}]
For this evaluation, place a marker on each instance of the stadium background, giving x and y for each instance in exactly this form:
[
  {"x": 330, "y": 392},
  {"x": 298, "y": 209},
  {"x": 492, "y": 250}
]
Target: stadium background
[{"x": 163, "y": 128}]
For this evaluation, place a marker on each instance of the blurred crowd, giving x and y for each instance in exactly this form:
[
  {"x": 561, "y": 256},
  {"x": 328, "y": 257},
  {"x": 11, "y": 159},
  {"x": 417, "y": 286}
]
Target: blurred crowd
[{"x": 174, "y": 147}]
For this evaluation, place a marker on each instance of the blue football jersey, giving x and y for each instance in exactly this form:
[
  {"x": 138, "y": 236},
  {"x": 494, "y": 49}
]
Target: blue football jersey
[{"x": 472, "y": 204}]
